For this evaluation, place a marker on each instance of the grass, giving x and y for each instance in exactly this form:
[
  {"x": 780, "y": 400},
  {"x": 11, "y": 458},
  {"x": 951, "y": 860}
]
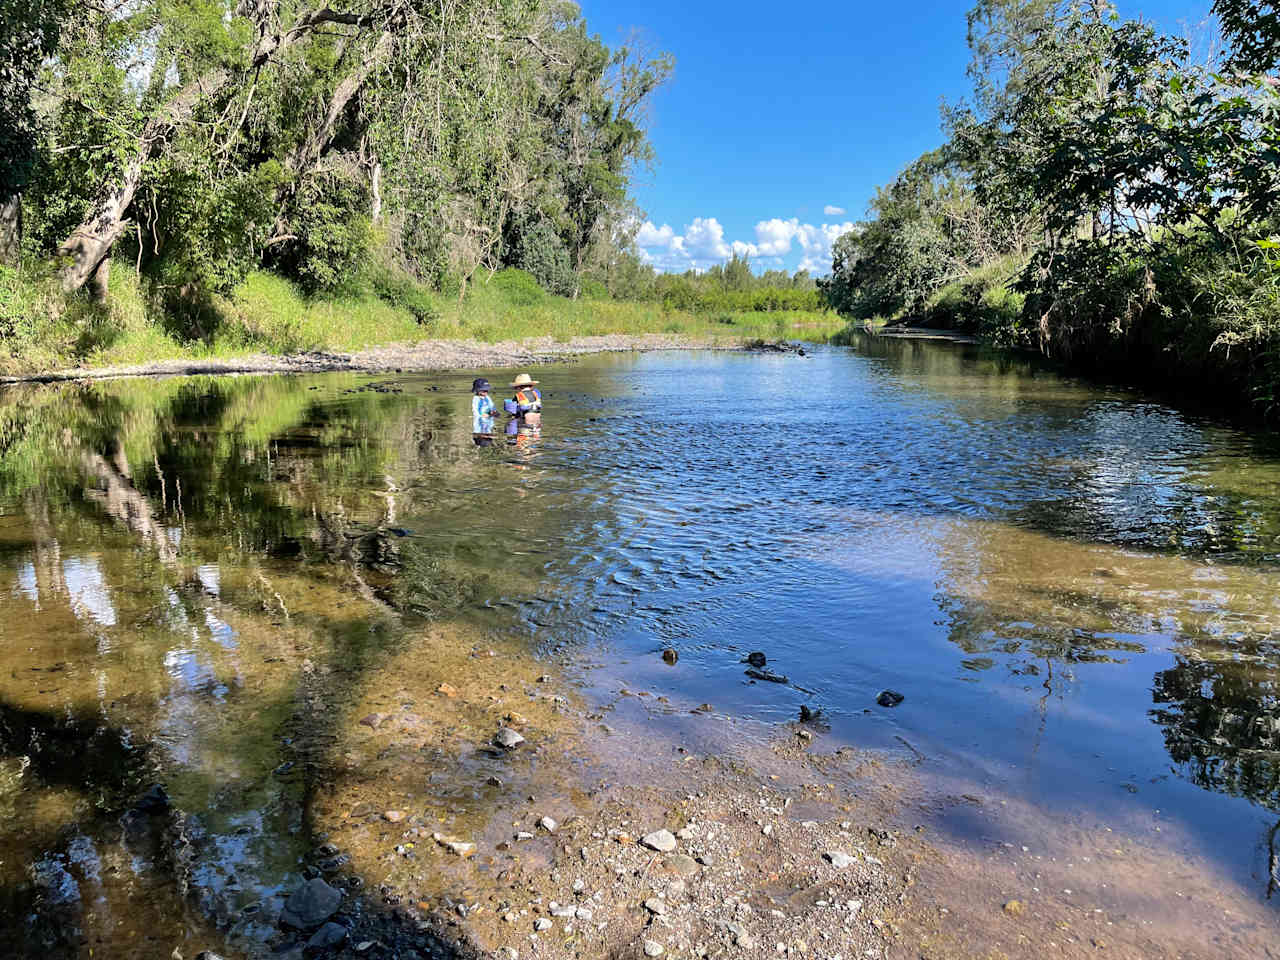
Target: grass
[{"x": 41, "y": 330}]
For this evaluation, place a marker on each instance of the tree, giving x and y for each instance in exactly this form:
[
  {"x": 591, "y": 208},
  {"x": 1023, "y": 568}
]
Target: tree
[
  {"x": 1253, "y": 30},
  {"x": 30, "y": 35}
]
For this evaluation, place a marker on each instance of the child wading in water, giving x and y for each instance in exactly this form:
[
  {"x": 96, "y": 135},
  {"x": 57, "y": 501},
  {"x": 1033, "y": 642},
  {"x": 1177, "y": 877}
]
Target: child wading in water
[
  {"x": 481, "y": 413},
  {"x": 525, "y": 408}
]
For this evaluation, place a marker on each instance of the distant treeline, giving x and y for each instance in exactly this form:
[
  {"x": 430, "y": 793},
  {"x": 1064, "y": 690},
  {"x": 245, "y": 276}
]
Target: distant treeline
[
  {"x": 726, "y": 287},
  {"x": 1107, "y": 195}
]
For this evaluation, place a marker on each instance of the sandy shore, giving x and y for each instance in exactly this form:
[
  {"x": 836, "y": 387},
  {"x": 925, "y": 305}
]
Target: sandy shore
[{"x": 396, "y": 357}]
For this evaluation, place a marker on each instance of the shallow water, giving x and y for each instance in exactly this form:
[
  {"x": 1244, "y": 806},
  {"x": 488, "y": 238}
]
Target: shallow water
[{"x": 1075, "y": 590}]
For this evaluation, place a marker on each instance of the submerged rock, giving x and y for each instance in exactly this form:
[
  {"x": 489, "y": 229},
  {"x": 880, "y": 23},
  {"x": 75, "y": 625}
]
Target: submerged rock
[
  {"x": 670, "y": 655},
  {"x": 766, "y": 675},
  {"x": 889, "y": 698},
  {"x": 507, "y": 738},
  {"x": 838, "y": 859},
  {"x": 756, "y": 658},
  {"x": 373, "y": 720},
  {"x": 310, "y": 905},
  {"x": 328, "y": 936},
  {"x": 154, "y": 800}
]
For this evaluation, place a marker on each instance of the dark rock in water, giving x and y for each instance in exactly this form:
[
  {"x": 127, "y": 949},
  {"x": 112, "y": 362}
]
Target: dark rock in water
[
  {"x": 330, "y": 935},
  {"x": 507, "y": 738},
  {"x": 208, "y": 955},
  {"x": 669, "y": 655},
  {"x": 756, "y": 659},
  {"x": 889, "y": 698},
  {"x": 310, "y": 905},
  {"x": 766, "y": 675},
  {"x": 808, "y": 716},
  {"x": 401, "y": 531},
  {"x": 283, "y": 769},
  {"x": 154, "y": 800}
]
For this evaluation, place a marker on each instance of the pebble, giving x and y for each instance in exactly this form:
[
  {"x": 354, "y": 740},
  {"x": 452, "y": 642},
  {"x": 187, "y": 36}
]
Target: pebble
[
  {"x": 393, "y": 816},
  {"x": 507, "y": 738},
  {"x": 459, "y": 847},
  {"x": 584, "y": 914},
  {"x": 547, "y": 824},
  {"x": 364, "y": 945},
  {"x": 542, "y": 923},
  {"x": 838, "y": 859},
  {"x": 669, "y": 655},
  {"x": 655, "y": 906},
  {"x": 567, "y": 911},
  {"x": 1014, "y": 908},
  {"x": 447, "y": 690},
  {"x": 373, "y": 720},
  {"x": 511, "y": 953},
  {"x": 330, "y": 935},
  {"x": 524, "y": 835},
  {"x": 545, "y": 678},
  {"x": 652, "y": 948},
  {"x": 660, "y": 840},
  {"x": 741, "y": 937},
  {"x": 756, "y": 658},
  {"x": 685, "y": 833},
  {"x": 682, "y": 865}
]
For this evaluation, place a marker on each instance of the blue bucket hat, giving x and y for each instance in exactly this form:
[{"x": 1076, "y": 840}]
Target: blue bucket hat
[{"x": 479, "y": 384}]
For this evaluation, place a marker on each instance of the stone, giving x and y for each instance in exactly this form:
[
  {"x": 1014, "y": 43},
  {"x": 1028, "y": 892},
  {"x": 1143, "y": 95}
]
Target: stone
[
  {"x": 660, "y": 840},
  {"x": 670, "y": 655},
  {"x": 330, "y": 935},
  {"x": 457, "y": 847},
  {"x": 507, "y": 738},
  {"x": 703, "y": 708},
  {"x": 447, "y": 690},
  {"x": 682, "y": 865},
  {"x": 584, "y": 913},
  {"x": 393, "y": 816},
  {"x": 568, "y": 911},
  {"x": 838, "y": 859},
  {"x": 511, "y": 953},
  {"x": 545, "y": 678},
  {"x": 889, "y": 698},
  {"x": 652, "y": 948},
  {"x": 494, "y": 781},
  {"x": 1014, "y": 908},
  {"x": 685, "y": 833},
  {"x": 547, "y": 824},
  {"x": 741, "y": 937},
  {"x": 769, "y": 675},
  {"x": 515, "y": 720},
  {"x": 655, "y": 906},
  {"x": 310, "y": 905},
  {"x": 364, "y": 945},
  {"x": 756, "y": 658},
  {"x": 374, "y": 720},
  {"x": 524, "y": 835},
  {"x": 542, "y": 923}
]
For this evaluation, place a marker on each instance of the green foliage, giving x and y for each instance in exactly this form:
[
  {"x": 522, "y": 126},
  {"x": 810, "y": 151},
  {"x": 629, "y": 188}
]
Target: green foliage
[
  {"x": 1252, "y": 27},
  {"x": 333, "y": 234},
  {"x": 590, "y": 289},
  {"x": 30, "y": 34},
  {"x": 519, "y": 287},
  {"x": 540, "y": 252}
]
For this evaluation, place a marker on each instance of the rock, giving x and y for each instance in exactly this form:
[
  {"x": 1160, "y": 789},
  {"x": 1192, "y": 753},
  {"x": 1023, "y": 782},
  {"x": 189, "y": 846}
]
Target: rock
[
  {"x": 756, "y": 659},
  {"x": 703, "y": 708},
  {"x": 310, "y": 905},
  {"x": 154, "y": 800},
  {"x": 330, "y": 935},
  {"x": 515, "y": 720},
  {"x": 547, "y": 824},
  {"x": 838, "y": 859},
  {"x": 740, "y": 936},
  {"x": 494, "y": 781},
  {"x": 545, "y": 678},
  {"x": 655, "y": 906},
  {"x": 209, "y": 955},
  {"x": 374, "y": 720},
  {"x": 447, "y": 690},
  {"x": 804, "y": 735},
  {"x": 766, "y": 675},
  {"x": 507, "y": 738},
  {"x": 568, "y": 911},
  {"x": 808, "y": 715},
  {"x": 524, "y": 835},
  {"x": 670, "y": 655},
  {"x": 652, "y": 948},
  {"x": 660, "y": 840},
  {"x": 685, "y": 833},
  {"x": 457, "y": 847},
  {"x": 1014, "y": 908},
  {"x": 542, "y": 923},
  {"x": 364, "y": 945},
  {"x": 393, "y": 816},
  {"x": 511, "y": 953},
  {"x": 682, "y": 865},
  {"x": 889, "y": 698},
  {"x": 584, "y": 914}
]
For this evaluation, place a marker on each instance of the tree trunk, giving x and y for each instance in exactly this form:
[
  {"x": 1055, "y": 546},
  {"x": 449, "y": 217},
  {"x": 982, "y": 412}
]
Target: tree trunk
[
  {"x": 92, "y": 240},
  {"x": 100, "y": 281},
  {"x": 11, "y": 229},
  {"x": 375, "y": 182}
]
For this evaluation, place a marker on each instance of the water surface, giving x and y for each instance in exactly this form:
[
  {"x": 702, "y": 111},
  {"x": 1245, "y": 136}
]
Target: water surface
[{"x": 1075, "y": 589}]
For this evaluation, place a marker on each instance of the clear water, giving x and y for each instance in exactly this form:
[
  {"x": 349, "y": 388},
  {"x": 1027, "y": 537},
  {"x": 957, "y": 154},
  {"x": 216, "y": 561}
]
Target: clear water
[{"x": 1074, "y": 589}]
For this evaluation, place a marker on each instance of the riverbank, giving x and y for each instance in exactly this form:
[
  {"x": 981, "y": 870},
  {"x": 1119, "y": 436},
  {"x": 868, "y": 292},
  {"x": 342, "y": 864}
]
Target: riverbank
[{"x": 269, "y": 326}]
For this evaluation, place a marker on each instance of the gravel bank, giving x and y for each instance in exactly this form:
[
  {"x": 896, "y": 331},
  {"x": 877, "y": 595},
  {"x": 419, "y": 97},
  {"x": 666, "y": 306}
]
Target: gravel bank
[{"x": 427, "y": 355}]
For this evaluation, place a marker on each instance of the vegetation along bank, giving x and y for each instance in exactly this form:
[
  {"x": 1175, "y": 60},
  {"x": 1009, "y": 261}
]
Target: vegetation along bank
[{"x": 1105, "y": 196}]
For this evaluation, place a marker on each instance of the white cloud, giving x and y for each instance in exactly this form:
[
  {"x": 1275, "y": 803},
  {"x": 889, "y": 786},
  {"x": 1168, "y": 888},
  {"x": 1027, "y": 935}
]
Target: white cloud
[
  {"x": 831, "y": 210},
  {"x": 703, "y": 244},
  {"x": 651, "y": 236}
]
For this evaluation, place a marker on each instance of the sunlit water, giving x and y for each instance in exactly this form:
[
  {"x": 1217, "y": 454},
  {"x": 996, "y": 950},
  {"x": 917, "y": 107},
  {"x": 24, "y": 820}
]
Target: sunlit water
[{"x": 1075, "y": 590}]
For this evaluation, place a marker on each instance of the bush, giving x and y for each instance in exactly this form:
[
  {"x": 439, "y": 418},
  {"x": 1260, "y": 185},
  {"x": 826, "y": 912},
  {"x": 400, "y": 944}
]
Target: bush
[
  {"x": 540, "y": 251},
  {"x": 334, "y": 235},
  {"x": 518, "y": 287},
  {"x": 592, "y": 290}
]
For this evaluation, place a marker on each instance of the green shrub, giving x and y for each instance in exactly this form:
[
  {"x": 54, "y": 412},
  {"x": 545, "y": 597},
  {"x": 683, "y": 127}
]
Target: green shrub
[
  {"x": 518, "y": 287},
  {"x": 540, "y": 251},
  {"x": 589, "y": 289}
]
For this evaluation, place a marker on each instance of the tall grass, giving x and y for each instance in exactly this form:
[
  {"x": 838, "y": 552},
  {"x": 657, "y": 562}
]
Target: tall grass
[{"x": 40, "y": 329}]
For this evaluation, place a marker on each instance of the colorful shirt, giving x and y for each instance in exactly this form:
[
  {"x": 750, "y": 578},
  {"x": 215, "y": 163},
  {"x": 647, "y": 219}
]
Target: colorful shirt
[{"x": 481, "y": 414}]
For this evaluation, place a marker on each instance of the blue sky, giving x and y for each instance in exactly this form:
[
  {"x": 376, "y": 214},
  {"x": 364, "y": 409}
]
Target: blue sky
[{"x": 780, "y": 114}]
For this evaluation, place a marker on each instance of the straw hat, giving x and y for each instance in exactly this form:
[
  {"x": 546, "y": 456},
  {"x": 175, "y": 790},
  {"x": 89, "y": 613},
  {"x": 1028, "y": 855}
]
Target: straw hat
[{"x": 524, "y": 380}]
